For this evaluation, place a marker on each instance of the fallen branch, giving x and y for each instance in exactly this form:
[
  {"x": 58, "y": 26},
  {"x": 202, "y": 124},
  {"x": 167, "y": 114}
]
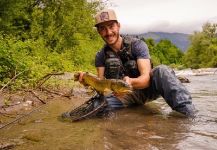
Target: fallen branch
[
  {"x": 11, "y": 80},
  {"x": 45, "y": 78},
  {"x": 41, "y": 100},
  {"x": 57, "y": 93}
]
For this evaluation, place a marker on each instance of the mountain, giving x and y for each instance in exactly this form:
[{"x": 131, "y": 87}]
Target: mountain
[{"x": 179, "y": 39}]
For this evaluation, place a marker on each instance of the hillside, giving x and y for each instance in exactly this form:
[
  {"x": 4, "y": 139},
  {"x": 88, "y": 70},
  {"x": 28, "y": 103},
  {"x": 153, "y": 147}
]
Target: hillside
[{"x": 179, "y": 39}]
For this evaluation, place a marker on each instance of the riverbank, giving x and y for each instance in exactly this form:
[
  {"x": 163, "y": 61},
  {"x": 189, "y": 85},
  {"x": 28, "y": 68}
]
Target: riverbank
[{"x": 196, "y": 72}]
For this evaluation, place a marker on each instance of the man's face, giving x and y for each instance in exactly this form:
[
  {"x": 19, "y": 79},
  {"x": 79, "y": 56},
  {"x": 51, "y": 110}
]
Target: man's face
[{"x": 109, "y": 31}]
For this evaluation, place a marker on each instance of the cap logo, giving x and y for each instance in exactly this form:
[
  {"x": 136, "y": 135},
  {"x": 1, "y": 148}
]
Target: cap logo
[{"x": 104, "y": 16}]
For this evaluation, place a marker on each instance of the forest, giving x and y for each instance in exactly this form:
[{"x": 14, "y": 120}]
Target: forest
[{"x": 39, "y": 37}]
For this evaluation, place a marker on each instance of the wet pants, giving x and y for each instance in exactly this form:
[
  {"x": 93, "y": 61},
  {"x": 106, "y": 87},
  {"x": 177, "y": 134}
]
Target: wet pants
[{"x": 163, "y": 83}]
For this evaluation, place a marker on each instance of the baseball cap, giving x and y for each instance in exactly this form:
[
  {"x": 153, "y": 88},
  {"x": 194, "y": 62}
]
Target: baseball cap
[{"x": 105, "y": 15}]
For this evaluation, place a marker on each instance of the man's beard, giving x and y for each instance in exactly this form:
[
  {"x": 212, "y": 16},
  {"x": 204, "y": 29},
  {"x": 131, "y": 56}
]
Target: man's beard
[{"x": 117, "y": 35}]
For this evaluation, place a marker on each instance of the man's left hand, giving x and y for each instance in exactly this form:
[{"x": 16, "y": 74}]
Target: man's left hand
[{"x": 128, "y": 80}]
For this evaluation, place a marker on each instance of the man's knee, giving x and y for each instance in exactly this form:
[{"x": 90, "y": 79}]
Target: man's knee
[{"x": 163, "y": 71}]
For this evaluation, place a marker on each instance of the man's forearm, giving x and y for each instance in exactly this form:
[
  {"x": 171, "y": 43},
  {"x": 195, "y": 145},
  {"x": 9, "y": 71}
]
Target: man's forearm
[{"x": 138, "y": 83}]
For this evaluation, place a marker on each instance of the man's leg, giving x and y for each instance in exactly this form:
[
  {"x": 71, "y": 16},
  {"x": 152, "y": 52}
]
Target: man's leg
[
  {"x": 172, "y": 90},
  {"x": 113, "y": 103}
]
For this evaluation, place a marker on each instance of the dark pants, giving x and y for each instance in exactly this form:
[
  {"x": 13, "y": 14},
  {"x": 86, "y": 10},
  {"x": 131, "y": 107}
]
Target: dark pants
[{"x": 163, "y": 83}]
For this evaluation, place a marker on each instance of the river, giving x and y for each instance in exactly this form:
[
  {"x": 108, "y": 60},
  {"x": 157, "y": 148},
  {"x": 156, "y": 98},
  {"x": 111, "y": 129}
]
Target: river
[{"x": 152, "y": 127}]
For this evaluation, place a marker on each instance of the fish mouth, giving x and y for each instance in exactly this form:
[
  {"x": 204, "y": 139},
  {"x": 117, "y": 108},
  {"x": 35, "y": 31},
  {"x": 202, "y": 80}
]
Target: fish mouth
[{"x": 76, "y": 76}]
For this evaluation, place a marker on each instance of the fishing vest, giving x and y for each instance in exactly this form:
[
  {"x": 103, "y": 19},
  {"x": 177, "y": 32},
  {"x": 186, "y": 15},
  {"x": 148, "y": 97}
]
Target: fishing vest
[{"x": 118, "y": 65}]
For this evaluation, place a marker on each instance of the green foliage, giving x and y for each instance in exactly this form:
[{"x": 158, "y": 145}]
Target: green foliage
[
  {"x": 39, "y": 37},
  {"x": 203, "y": 49},
  {"x": 164, "y": 52}
]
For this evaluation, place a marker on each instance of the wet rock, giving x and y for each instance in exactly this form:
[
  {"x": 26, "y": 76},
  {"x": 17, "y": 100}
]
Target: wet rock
[{"x": 183, "y": 79}]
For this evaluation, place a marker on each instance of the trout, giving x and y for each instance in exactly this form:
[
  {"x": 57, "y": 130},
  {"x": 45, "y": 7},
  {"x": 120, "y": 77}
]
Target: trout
[{"x": 105, "y": 86}]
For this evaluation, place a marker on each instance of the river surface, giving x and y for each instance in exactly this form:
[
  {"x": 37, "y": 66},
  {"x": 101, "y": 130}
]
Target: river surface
[{"x": 152, "y": 127}]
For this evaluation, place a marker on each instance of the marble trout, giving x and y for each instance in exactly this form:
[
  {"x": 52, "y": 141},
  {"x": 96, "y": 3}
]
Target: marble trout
[{"x": 105, "y": 86}]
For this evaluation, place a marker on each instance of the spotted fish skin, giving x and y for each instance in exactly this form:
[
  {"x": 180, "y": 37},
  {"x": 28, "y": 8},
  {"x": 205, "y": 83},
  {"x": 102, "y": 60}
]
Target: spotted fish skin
[{"x": 105, "y": 86}]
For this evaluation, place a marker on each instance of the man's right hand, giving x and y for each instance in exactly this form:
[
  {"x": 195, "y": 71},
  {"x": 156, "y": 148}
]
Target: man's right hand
[
  {"x": 80, "y": 79},
  {"x": 78, "y": 76}
]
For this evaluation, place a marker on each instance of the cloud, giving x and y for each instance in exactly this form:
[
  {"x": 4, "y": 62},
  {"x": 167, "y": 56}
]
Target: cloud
[
  {"x": 184, "y": 16},
  {"x": 167, "y": 26}
]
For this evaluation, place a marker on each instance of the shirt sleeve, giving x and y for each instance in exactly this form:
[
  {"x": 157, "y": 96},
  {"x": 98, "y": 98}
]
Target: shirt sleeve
[
  {"x": 100, "y": 59},
  {"x": 140, "y": 50}
]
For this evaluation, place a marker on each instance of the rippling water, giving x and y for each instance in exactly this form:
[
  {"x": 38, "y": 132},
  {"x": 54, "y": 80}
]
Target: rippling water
[{"x": 152, "y": 127}]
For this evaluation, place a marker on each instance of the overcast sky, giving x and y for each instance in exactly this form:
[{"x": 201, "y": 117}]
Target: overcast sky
[{"x": 183, "y": 16}]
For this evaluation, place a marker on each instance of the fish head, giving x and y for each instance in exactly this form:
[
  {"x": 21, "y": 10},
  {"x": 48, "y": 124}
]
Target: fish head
[{"x": 76, "y": 76}]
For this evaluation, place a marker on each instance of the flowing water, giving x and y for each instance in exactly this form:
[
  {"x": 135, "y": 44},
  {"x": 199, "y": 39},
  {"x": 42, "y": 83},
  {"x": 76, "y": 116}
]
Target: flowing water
[{"x": 152, "y": 127}]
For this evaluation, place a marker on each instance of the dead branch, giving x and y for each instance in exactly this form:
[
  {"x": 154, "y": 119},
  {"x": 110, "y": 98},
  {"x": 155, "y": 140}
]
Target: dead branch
[
  {"x": 11, "y": 80},
  {"x": 57, "y": 93},
  {"x": 45, "y": 78},
  {"x": 41, "y": 100}
]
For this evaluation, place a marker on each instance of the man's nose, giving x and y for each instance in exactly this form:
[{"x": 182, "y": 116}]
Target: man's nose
[{"x": 108, "y": 31}]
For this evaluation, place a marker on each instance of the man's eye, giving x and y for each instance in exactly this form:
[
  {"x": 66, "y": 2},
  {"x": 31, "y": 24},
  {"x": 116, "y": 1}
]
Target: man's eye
[
  {"x": 111, "y": 26},
  {"x": 102, "y": 28}
]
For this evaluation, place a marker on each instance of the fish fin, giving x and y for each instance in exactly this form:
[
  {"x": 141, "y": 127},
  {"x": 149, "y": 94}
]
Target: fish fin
[{"x": 107, "y": 92}]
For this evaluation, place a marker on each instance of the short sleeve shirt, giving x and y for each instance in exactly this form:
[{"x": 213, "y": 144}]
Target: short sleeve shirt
[{"x": 139, "y": 50}]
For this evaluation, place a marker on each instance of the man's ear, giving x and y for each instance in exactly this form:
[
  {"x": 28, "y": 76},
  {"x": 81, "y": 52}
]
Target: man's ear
[{"x": 119, "y": 25}]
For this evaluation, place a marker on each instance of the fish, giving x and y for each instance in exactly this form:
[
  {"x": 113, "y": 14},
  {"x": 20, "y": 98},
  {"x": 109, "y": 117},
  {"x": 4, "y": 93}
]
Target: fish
[{"x": 105, "y": 86}]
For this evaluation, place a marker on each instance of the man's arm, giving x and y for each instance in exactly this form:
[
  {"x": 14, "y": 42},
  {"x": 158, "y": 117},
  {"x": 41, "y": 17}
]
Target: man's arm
[
  {"x": 143, "y": 81},
  {"x": 100, "y": 72}
]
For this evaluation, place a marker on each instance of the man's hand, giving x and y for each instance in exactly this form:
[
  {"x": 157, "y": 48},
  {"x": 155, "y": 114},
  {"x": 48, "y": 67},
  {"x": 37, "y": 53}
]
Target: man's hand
[
  {"x": 128, "y": 80},
  {"x": 81, "y": 74},
  {"x": 79, "y": 77}
]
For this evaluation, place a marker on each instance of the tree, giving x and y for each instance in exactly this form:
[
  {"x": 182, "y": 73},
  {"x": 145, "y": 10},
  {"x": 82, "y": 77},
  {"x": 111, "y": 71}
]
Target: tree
[
  {"x": 168, "y": 52},
  {"x": 43, "y": 36},
  {"x": 164, "y": 52},
  {"x": 203, "y": 49}
]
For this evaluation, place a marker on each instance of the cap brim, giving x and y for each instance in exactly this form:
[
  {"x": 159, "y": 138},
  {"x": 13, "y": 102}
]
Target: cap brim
[{"x": 96, "y": 25}]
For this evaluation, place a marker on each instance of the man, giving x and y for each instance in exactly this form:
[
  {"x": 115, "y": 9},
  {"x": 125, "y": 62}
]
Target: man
[{"x": 128, "y": 59}]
